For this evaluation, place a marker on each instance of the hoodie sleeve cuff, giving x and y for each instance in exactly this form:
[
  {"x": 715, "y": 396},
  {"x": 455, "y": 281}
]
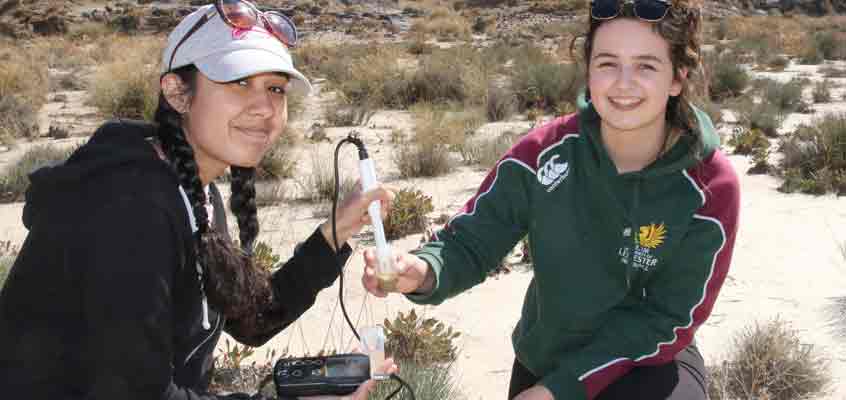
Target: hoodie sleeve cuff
[{"x": 321, "y": 257}]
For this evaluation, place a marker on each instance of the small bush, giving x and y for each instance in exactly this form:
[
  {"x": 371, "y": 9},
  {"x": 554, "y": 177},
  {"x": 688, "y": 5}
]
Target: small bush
[
  {"x": 831, "y": 45},
  {"x": 786, "y": 96},
  {"x": 422, "y": 160},
  {"x": 727, "y": 79},
  {"x": 430, "y": 382},
  {"x": 777, "y": 62},
  {"x": 17, "y": 120},
  {"x": 747, "y": 141},
  {"x": 15, "y": 178},
  {"x": 487, "y": 152},
  {"x": 264, "y": 257},
  {"x": 500, "y": 104},
  {"x": 231, "y": 374},
  {"x": 445, "y": 25},
  {"x": 269, "y": 194},
  {"x": 763, "y": 116},
  {"x": 545, "y": 85},
  {"x": 278, "y": 162},
  {"x": 319, "y": 184},
  {"x": 409, "y": 214},
  {"x": 832, "y": 72},
  {"x": 769, "y": 362},
  {"x": 815, "y": 157},
  {"x": 126, "y": 90},
  {"x": 439, "y": 130},
  {"x": 822, "y": 91},
  {"x": 422, "y": 341},
  {"x": 24, "y": 85}
]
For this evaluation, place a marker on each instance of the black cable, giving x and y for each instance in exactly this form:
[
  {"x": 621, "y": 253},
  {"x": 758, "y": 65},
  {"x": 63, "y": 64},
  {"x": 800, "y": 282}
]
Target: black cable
[{"x": 353, "y": 138}]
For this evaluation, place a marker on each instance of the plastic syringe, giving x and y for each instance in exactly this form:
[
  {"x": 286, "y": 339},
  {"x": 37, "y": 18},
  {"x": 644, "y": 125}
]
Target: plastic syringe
[{"x": 386, "y": 272}]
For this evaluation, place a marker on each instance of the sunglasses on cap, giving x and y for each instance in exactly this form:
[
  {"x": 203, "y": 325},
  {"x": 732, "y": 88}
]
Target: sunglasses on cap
[
  {"x": 647, "y": 10},
  {"x": 241, "y": 14}
]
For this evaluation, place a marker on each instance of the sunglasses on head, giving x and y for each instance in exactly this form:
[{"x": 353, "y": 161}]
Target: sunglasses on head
[
  {"x": 242, "y": 14},
  {"x": 647, "y": 10}
]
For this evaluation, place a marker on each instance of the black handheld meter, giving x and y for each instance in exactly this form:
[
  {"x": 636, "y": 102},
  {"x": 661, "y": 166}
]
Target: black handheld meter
[{"x": 312, "y": 376}]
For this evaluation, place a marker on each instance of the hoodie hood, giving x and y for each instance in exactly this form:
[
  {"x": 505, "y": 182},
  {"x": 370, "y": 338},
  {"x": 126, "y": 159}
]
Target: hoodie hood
[
  {"x": 94, "y": 174},
  {"x": 679, "y": 157}
]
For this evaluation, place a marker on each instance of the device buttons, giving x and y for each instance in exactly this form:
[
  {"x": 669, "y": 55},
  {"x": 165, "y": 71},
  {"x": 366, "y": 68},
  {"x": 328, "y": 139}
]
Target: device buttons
[
  {"x": 283, "y": 372},
  {"x": 298, "y": 373},
  {"x": 315, "y": 372}
]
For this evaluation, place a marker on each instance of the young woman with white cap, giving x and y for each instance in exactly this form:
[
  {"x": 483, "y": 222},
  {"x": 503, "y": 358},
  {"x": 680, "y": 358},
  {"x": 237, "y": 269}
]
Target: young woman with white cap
[{"x": 128, "y": 275}]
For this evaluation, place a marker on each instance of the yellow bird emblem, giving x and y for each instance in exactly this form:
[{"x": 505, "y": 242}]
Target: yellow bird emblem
[{"x": 651, "y": 236}]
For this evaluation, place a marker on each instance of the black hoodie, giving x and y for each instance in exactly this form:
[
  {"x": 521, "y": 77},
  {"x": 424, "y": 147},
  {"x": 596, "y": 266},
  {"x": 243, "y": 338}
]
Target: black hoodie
[{"x": 103, "y": 301}]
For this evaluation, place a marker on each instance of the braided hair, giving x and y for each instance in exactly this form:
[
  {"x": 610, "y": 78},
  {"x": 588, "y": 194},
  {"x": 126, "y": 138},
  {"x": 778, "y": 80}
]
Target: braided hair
[{"x": 234, "y": 285}]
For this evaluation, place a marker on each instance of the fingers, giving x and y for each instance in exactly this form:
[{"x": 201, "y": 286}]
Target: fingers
[
  {"x": 363, "y": 390},
  {"x": 371, "y": 284}
]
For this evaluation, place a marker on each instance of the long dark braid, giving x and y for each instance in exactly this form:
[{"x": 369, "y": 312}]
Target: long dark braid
[
  {"x": 230, "y": 280},
  {"x": 243, "y": 205}
]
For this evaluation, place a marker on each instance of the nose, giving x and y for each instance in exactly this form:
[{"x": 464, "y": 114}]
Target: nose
[
  {"x": 625, "y": 77},
  {"x": 262, "y": 103}
]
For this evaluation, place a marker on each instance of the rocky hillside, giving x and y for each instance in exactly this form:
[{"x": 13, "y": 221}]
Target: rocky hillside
[{"x": 26, "y": 18}]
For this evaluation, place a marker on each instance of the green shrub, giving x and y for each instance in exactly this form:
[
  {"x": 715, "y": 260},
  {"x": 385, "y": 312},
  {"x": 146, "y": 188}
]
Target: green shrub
[
  {"x": 430, "y": 382},
  {"x": 822, "y": 91},
  {"x": 830, "y": 45},
  {"x": 786, "y": 96},
  {"x": 769, "y": 362},
  {"x": 125, "y": 89},
  {"x": 814, "y": 157},
  {"x": 15, "y": 178},
  {"x": 727, "y": 79},
  {"x": 409, "y": 214},
  {"x": 278, "y": 162},
  {"x": 747, "y": 141},
  {"x": 545, "y": 85},
  {"x": 763, "y": 116},
  {"x": 422, "y": 341}
]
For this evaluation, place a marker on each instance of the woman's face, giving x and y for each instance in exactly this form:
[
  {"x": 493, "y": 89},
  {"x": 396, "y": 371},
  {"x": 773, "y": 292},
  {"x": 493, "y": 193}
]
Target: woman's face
[
  {"x": 235, "y": 123},
  {"x": 630, "y": 75}
]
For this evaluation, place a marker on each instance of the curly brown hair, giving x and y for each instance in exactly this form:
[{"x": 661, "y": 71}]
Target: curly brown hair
[{"x": 681, "y": 28}]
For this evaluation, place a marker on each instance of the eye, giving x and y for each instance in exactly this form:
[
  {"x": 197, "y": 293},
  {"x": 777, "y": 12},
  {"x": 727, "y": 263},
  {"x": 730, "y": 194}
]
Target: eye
[
  {"x": 280, "y": 90},
  {"x": 606, "y": 64},
  {"x": 648, "y": 67}
]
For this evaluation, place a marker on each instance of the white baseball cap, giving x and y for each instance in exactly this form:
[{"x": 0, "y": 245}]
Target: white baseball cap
[{"x": 224, "y": 53}]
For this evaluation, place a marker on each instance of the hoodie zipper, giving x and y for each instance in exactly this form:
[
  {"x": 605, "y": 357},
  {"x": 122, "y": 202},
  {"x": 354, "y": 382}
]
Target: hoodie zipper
[{"x": 635, "y": 230}]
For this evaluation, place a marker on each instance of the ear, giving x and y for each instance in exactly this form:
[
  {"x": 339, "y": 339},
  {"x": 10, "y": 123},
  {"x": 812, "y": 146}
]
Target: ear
[
  {"x": 678, "y": 82},
  {"x": 175, "y": 91}
]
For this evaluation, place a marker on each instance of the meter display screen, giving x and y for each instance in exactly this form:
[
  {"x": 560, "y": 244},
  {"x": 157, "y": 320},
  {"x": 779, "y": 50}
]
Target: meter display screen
[{"x": 339, "y": 367}]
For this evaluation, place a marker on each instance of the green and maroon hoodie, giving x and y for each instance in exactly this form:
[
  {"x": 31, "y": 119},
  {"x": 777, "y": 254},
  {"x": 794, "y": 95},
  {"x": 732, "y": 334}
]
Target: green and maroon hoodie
[{"x": 626, "y": 266}]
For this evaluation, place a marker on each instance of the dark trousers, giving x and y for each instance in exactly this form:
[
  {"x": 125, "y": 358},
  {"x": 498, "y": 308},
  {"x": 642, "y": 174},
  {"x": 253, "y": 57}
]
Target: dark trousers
[{"x": 683, "y": 378}]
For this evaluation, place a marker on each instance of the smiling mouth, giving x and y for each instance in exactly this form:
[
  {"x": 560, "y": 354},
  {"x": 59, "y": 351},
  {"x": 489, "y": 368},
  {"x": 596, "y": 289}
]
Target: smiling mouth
[
  {"x": 255, "y": 135},
  {"x": 625, "y": 103}
]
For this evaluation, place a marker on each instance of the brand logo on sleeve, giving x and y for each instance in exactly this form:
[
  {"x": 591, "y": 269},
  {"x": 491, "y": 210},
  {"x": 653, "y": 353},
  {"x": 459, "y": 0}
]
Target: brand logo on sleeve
[{"x": 553, "y": 173}]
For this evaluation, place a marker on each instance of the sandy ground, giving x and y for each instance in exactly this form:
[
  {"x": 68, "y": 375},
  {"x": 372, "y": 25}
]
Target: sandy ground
[{"x": 787, "y": 264}]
